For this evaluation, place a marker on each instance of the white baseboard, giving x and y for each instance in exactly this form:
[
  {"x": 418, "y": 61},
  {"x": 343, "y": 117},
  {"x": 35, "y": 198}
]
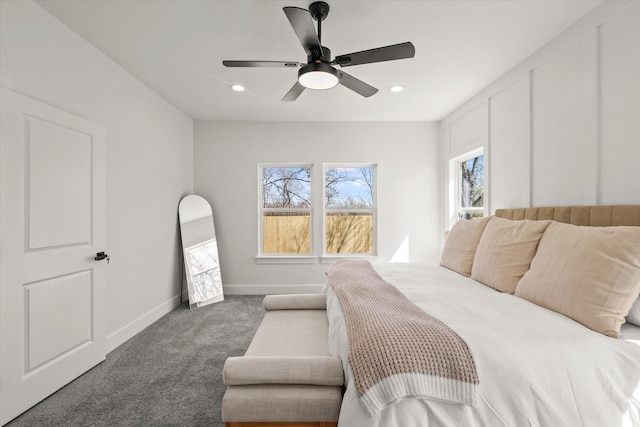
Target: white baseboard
[
  {"x": 130, "y": 330},
  {"x": 272, "y": 289}
]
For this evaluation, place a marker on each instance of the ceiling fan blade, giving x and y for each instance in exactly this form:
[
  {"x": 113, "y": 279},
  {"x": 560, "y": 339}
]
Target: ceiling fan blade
[
  {"x": 294, "y": 92},
  {"x": 277, "y": 64},
  {"x": 380, "y": 54},
  {"x": 356, "y": 85},
  {"x": 302, "y": 24}
]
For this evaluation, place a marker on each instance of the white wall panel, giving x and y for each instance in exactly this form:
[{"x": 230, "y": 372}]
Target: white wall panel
[
  {"x": 580, "y": 115},
  {"x": 468, "y": 132},
  {"x": 564, "y": 162},
  {"x": 509, "y": 148},
  {"x": 620, "y": 108}
]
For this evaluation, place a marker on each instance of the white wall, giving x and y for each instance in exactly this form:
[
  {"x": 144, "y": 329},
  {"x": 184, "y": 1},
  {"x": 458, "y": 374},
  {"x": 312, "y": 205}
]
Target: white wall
[
  {"x": 563, "y": 127},
  {"x": 149, "y": 157},
  {"x": 227, "y": 155}
]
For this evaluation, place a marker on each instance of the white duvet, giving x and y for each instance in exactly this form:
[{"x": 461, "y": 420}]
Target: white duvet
[{"x": 536, "y": 367}]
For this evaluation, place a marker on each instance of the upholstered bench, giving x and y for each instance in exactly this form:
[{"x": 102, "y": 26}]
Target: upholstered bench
[{"x": 287, "y": 374}]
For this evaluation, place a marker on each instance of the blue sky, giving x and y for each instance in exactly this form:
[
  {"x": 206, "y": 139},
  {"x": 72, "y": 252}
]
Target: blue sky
[{"x": 356, "y": 188}]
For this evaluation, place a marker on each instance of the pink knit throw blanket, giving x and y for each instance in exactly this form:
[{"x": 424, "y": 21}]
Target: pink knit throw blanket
[{"x": 396, "y": 350}]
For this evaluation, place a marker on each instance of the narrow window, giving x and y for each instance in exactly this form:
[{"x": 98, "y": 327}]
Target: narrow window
[
  {"x": 470, "y": 191},
  {"x": 286, "y": 210},
  {"x": 349, "y": 220}
]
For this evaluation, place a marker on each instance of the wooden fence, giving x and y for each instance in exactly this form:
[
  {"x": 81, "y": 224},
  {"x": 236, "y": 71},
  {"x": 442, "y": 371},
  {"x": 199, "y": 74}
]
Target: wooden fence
[
  {"x": 286, "y": 234},
  {"x": 345, "y": 234}
]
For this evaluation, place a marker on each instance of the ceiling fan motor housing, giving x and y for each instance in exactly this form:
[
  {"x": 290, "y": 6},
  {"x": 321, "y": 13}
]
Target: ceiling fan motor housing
[
  {"x": 326, "y": 56},
  {"x": 319, "y": 72}
]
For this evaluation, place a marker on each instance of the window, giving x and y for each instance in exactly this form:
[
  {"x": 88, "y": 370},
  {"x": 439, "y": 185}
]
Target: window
[
  {"x": 349, "y": 210},
  {"x": 470, "y": 186},
  {"x": 285, "y": 210},
  {"x": 287, "y": 232}
]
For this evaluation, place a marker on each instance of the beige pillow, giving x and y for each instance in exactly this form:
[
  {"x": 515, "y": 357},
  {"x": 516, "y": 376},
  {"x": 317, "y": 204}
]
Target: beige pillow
[
  {"x": 505, "y": 252},
  {"x": 590, "y": 274},
  {"x": 460, "y": 246}
]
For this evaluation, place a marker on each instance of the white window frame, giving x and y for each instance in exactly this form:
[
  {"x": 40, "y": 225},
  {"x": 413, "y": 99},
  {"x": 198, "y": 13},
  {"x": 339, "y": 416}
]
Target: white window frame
[
  {"x": 459, "y": 209},
  {"x": 288, "y": 258},
  {"x": 327, "y": 257}
]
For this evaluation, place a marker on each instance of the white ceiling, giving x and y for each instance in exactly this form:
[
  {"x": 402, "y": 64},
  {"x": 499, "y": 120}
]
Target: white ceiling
[{"x": 177, "y": 46}]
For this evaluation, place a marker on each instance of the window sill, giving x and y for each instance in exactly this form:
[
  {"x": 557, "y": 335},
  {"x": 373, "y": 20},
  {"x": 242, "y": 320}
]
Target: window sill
[
  {"x": 283, "y": 259},
  {"x": 330, "y": 259},
  {"x": 309, "y": 259}
]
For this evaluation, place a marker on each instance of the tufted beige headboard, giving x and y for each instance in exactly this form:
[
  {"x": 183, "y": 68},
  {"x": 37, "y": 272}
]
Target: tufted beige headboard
[{"x": 598, "y": 216}]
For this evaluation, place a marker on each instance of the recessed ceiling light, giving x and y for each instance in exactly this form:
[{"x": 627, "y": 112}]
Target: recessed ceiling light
[
  {"x": 396, "y": 88},
  {"x": 237, "y": 88}
]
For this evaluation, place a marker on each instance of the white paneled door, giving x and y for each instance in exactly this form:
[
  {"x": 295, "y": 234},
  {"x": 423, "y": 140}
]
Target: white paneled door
[{"x": 52, "y": 218}]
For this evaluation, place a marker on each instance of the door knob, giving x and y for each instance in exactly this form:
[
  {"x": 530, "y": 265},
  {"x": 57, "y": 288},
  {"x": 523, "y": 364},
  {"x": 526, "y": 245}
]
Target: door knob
[{"x": 101, "y": 255}]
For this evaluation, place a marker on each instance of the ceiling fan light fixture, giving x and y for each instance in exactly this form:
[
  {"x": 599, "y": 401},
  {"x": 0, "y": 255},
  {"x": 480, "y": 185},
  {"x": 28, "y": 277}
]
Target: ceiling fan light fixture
[
  {"x": 318, "y": 76},
  {"x": 237, "y": 88}
]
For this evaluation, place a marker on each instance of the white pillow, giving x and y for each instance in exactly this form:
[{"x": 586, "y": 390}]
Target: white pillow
[{"x": 634, "y": 314}]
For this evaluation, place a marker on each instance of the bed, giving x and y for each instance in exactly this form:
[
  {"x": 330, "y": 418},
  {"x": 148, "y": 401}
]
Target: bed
[{"x": 536, "y": 366}]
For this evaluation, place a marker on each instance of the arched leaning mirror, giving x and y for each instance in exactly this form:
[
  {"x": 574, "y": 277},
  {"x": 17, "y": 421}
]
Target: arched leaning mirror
[{"x": 200, "y": 250}]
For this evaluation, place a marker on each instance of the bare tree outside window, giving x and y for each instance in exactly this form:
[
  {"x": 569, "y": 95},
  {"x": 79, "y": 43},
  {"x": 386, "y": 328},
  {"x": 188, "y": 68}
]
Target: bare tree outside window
[
  {"x": 286, "y": 187},
  {"x": 471, "y": 188}
]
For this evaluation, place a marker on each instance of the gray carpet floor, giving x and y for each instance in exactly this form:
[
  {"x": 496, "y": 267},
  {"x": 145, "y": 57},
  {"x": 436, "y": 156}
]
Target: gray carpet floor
[{"x": 170, "y": 374}]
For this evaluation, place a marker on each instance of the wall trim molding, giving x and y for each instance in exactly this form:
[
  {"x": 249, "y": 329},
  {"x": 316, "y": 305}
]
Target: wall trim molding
[
  {"x": 133, "y": 328},
  {"x": 570, "y": 35},
  {"x": 272, "y": 289}
]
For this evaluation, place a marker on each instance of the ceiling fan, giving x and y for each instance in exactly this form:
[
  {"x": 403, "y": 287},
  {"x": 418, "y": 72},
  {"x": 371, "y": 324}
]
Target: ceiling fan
[{"x": 319, "y": 71}]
